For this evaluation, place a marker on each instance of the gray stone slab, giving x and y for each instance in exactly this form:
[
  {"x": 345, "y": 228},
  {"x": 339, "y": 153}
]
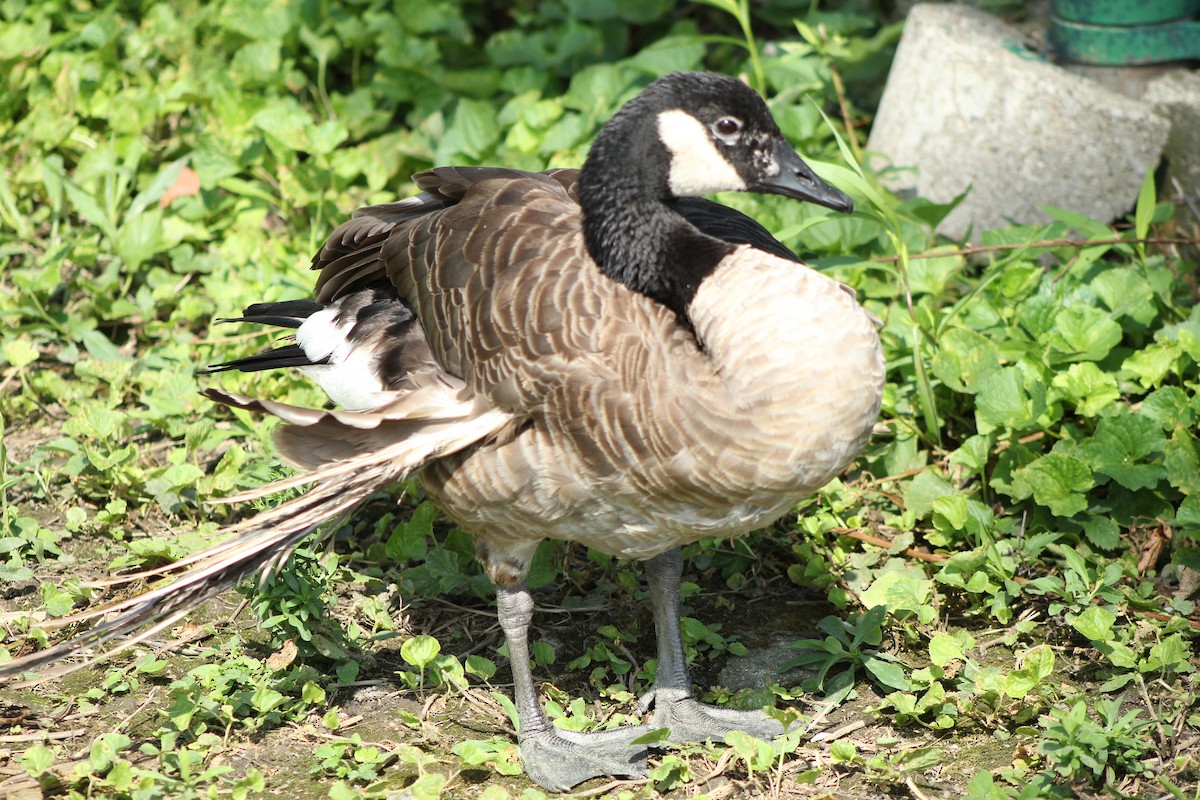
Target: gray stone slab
[
  {"x": 966, "y": 105},
  {"x": 763, "y": 667},
  {"x": 1176, "y": 96}
]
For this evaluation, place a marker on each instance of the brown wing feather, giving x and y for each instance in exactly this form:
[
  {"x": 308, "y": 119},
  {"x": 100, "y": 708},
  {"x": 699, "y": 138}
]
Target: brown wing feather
[{"x": 625, "y": 424}]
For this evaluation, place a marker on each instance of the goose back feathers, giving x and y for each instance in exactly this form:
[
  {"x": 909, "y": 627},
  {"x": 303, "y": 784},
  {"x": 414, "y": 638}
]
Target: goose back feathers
[{"x": 634, "y": 433}]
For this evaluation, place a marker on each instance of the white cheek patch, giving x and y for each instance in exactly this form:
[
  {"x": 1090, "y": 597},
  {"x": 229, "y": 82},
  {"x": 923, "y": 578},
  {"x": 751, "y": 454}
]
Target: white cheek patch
[{"x": 697, "y": 168}]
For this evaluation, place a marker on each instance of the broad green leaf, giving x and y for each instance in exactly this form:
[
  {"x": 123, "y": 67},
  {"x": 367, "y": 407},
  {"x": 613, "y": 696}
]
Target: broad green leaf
[
  {"x": 951, "y": 511},
  {"x": 37, "y": 759},
  {"x": 93, "y": 422},
  {"x": 1181, "y": 461},
  {"x": 1170, "y": 406},
  {"x": 924, "y": 489},
  {"x": 1038, "y": 315},
  {"x": 754, "y": 751},
  {"x": 19, "y": 39},
  {"x": 868, "y": 629},
  {"x": 495, "y": 792},
  {"x": 1003, "y": 401},
  {"x": 1119, "y": 654},
  {"x": 983, "y": 787},
  {"x": 1087, "y": 387},
  {"x": 20, "y": 353},
  {"x": 1039, "y": 660},
  {"x": 965, "y": 359},
  {"x": 1037, "y": 664},
  {"x": 888, "y": 673},
  {"x": 972, "y": 455},
  {"x": 55, "y": 601},
  {"x": 1151, "y": 364},
  {"x": 427, "y": 787},
  {"x": 312, "y": 693},
  {"x": 1075, "y": 562},
  {"x": 1120, "y": 447},
  {"x": 1189, "y": 511},
  {"x": 932, "y": 213},
  {"x": 899, "y": 590},
  {"x": 1102, "y": 532},
  {"x": 932, "y": 275},
  {"x": 1171, "y": 653},
  {"x": 1126, "y": 293},
  {"x": 264, "y": 699},
  {"x": 88, "y": 208},
  {"x": 1057, "y": 481},
  {"x": 1083, "y": 333},
  {"x": 1018, "y": 279},
  {"x": 479, "y": 666},
  {"x": 903, "y": 703},
  {"x": 472, "y": 132},
  {"x": 673, "y": 54},
  {"x": 259, "y": 20},
  {"x": 944, "y": 648},
  {"x": 921, "y": 758},
  {"x": 285, "y": 122},
  {"x": 1095, "y": 623},
  {"x": 501, "y": 755},
  {"x": 597, "y": 89},
  {"x": 543, "y": 653},
  {"x": 959, "y": 565},
  {"x": 420, "y": 650},
  {"x": 843, "y": 751},
  {"x": 325, "y": 137},
  {"x": 409, "y": 541}
]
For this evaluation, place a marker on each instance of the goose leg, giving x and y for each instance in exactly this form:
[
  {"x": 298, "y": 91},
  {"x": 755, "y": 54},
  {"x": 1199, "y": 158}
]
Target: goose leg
[
  {"x": 557, "y": 759},
  {"x": 671, "y": 697}
]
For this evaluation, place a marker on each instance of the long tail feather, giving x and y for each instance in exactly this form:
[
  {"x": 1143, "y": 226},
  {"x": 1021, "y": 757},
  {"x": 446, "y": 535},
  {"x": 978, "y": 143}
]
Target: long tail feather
[
  {"x": 260, "y": 547},
  {"x": 395, "y": 447},
  {"x": 289, "y": 355}
]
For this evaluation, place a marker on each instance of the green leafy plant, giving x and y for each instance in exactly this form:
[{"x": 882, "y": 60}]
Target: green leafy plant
[
  {"x": 848, "y": 644},
  {"x": 351, "y": 760},
  {"x": 1099, "y": 748}
]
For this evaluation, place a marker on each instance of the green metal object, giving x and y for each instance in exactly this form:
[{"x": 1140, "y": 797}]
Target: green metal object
[
  {"x": 1124, "y": 13},
  {"x": 1120, "y": 32}
]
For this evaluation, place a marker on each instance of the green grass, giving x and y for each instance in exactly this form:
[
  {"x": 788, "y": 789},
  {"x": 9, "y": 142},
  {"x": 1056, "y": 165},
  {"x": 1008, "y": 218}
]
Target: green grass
[{"x": 993, "y": 584}]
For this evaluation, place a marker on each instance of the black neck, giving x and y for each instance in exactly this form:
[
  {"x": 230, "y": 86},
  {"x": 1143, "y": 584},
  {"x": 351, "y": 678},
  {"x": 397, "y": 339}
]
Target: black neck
[{"x": 630, "y": 224}]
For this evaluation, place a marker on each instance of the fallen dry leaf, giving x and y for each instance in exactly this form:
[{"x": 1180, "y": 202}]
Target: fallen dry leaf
[
  {"x": 1153, "y": 547},
  {"x": 1189, "y": 582},
  {"x": 187, "y": 183},
  {"x": 285, "y": 656}
]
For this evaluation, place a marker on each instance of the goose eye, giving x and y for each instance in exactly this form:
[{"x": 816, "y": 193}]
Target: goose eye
[{"x": 727, "y": 128}]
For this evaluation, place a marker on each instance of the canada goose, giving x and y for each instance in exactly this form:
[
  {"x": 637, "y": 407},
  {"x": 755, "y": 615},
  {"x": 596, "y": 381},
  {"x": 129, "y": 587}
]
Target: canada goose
[{"x": 578, "y": 356}]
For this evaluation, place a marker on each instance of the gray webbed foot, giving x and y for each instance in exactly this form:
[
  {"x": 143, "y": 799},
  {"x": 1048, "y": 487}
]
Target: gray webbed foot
[
  {"x": 692, "y": 721},
  {"x": 558, "y": 760}
]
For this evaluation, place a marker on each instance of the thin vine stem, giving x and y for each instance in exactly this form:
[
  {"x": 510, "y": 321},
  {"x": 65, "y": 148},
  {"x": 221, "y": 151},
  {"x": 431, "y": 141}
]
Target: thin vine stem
[{"x": 988, "y": 248}]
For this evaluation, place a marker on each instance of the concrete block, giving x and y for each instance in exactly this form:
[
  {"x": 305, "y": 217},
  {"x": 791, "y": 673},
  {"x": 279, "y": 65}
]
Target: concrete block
[
  {"x": 1176, "y": 96},
  {"x": 967, "y": 106}
]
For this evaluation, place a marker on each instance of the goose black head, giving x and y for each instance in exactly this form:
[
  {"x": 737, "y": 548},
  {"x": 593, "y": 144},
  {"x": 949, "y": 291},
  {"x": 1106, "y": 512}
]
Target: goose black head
[
  {"x": 721, "y": 137},
  {"x": 686, "y": 134},
  {"x": 717, "y": 135}
]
